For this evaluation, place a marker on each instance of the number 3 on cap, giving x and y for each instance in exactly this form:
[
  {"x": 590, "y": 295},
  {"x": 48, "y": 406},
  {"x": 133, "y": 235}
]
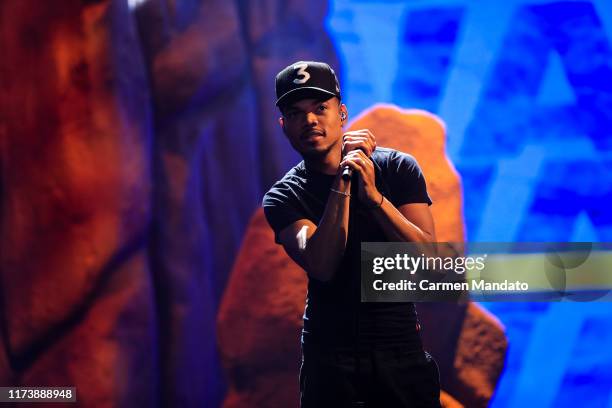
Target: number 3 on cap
[{"x": 301, "y": 70}]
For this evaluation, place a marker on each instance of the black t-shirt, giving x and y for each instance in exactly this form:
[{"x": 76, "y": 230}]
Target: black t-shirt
[{"x": 334, "y": 314}]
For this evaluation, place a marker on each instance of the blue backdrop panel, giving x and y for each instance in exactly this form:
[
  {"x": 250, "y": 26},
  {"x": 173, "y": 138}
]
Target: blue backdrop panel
[{"x": 525, "y": 88}]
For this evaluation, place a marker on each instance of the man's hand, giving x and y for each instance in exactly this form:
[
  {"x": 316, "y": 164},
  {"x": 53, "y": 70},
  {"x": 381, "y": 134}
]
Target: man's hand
[
  {"x": 358, "y": 139},
  {"x": 357, "y": 147}
]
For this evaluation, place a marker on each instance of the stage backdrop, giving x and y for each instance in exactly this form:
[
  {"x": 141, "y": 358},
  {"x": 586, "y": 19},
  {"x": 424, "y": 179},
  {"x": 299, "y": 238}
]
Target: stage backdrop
[
  {"x": 137, "y": 138},
  {"x": 525, "y": 88}
]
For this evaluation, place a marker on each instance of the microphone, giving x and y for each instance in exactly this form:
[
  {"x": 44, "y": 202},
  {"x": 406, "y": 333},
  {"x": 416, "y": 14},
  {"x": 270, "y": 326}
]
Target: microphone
[{"x": 347, "y": 172}]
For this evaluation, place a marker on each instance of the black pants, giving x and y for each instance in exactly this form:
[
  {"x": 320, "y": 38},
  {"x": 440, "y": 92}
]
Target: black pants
[{"x": 390, "y": 378}]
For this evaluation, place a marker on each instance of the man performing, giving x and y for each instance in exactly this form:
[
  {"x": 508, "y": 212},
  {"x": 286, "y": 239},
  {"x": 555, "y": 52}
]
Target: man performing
[{"x": 354, "y": 354}]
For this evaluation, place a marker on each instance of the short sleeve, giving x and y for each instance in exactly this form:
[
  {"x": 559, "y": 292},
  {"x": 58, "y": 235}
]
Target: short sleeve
[
  {"x": 280, "y": 209},
  {"x": 406, "y": 180}
]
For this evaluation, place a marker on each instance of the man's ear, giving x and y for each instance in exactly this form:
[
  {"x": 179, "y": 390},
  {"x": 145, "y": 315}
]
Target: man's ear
[
  {"x": 343, "y": 113},
  {"x": 281, "y": 122}
]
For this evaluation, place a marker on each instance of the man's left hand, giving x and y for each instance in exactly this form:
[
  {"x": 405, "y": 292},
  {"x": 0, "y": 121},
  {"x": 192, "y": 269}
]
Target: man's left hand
[
  {"x": 361, "y": 139},
  {"x": 362, "y": 164}
]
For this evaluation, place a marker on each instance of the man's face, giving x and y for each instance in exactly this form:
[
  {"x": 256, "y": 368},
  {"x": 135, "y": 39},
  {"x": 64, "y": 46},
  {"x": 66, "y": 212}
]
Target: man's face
[{"x": 313, "y": 126}]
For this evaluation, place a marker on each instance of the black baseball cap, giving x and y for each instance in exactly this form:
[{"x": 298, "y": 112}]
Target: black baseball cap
[{"x": 306, "y": 79}]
